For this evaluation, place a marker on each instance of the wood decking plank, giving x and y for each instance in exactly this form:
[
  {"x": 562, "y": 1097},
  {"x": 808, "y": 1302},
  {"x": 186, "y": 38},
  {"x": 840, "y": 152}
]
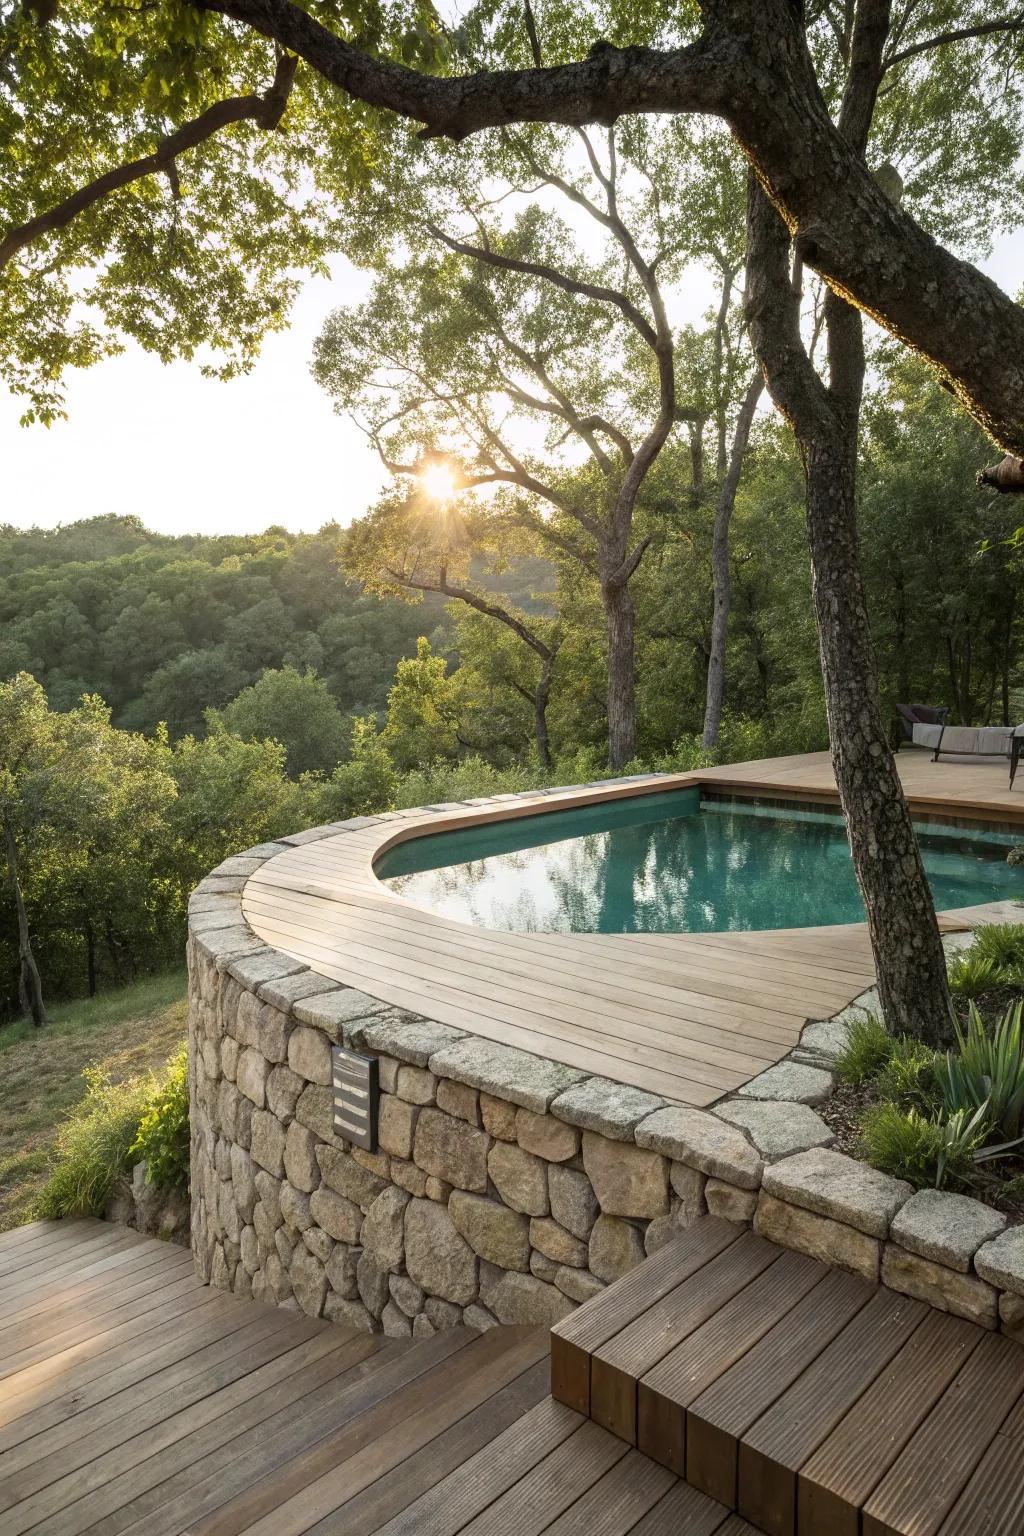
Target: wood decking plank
[
  {"x": 839, "y": 1477},
  {"x": 576, "y": 1338},
  {"x": 365, "y": 1512},
  {"x": 683, "y": 1511},
  {"x": 613, "y": 1505},
  {"x": 141, "y": 1499},
  {"x": 316, "y": 1482},
  {"x": 152, "y": 1275},
  {"x": 66, "y": 1476},
  {"x": 923, "y": 1484},
  {"x": 717, "y": 1419},
  {"x": 665, "y": 1392},
  {"x": 773, "y": 1450},
  {"x": 450, "y": 1506},
  {"x": 140, "y": 1300},
  {"x": 537, "y": 1499},
  {"x": 247, "y": 1459},
  {"x": 704, "y": 1039},
  {"x": 616, "y": 1367}
]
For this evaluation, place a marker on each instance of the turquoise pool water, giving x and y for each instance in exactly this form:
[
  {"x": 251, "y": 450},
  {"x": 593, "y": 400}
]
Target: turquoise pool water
[{"x": 670, "y": 863}]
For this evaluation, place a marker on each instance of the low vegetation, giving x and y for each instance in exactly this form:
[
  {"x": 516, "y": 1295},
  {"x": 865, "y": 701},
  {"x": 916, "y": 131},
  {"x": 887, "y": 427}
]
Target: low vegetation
[
  {"x": 75, "y": 1096},
  {"x": 953, "y": 1118}
]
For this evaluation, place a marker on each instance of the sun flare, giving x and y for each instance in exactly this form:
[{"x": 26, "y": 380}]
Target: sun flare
[{"x": 437, "y": 481}]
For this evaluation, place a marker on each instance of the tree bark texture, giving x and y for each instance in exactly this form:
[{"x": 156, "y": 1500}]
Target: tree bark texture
[
  {"x": 909, "y": 959},
  {"x": 905, "y": 941},
  {"x": 30, "y": 987},
  {"x": 619, "y": 623},
  {"x": 715, "y": 697}
]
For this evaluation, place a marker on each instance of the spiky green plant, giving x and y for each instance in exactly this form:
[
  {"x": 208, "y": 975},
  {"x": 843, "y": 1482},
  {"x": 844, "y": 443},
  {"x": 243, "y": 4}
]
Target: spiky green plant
[
  {"x": 987, "y": 1068},
  {"x": 869, "y": 1046},
  {"x": 971, "y": 974}
]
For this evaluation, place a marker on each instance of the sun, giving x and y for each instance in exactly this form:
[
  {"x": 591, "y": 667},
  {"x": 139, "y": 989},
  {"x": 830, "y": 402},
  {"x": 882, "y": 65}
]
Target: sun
[{"x": 437, "y": 480}]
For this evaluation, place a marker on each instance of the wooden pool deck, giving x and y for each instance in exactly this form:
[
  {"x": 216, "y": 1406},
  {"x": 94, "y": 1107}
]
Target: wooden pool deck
[
  {"x": 135, "y": 1399},
  {"x": 795, "y": 1400},
  {"x": 687, "y": 1016}
]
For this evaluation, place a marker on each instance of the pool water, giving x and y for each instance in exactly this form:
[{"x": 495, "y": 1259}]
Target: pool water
[{"x": 670, "y": 863}]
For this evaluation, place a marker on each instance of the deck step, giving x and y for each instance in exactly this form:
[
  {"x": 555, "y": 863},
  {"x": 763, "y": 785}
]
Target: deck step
[{"x": 808, "y": 1401}]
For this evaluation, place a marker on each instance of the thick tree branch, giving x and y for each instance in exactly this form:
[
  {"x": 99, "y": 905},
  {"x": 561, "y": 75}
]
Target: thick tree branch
[
  {"x": 265, "y": 111},
  {"x": 482, "y": 605},
  {"x": 959, "y": 35},
  {"x": 595, "y": 291}
]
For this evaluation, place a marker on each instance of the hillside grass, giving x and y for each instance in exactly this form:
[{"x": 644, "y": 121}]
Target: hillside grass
[{"x": 124, "y": 1033}]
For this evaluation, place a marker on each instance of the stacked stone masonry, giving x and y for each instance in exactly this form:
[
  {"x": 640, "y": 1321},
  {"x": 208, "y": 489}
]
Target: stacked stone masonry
[{"x": 506, "y": 1188}]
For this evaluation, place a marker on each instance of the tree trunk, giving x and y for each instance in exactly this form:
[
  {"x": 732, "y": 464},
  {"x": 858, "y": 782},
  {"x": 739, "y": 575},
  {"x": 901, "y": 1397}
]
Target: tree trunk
[
  {"x": 540, "y": 711},
  {"x": 905, "y": 938},
  {"x": 30, "y": 987},
  {"x": 619, "y": 620},
  {"x": 909, "y": 959},
  {"x": 715, "y": 696},
  {"x": 90, "y": 955}
]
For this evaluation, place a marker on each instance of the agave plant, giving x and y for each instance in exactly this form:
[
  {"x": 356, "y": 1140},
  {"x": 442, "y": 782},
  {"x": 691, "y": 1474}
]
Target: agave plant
[{"x": 987, "y": 1069}]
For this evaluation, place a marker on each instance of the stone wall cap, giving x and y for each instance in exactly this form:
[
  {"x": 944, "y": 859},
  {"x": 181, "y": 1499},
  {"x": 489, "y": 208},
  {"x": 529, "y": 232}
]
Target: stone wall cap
[
  {"x": 264, "y": 964},
  {"x": 240, "y": 864},
  {"x": 309, "y": 835},
  {"x": 218, "y": 885},
  {"x": 946, "y": 1228},
  {"x": 228, "y": 944},
  {"x": 218, "y": 920},
  {"x": 214, "y": 901},
  {"x": 777, "y": 1129},
  {"x": 1002, "y": 1261},
  {"x": 408, "y": 1037},
  {"x": 283, "y": 991},
  {"x": 703, "y": 1141},
  {"x": 263, "y": 851},
  {"x": 834, "y": 1185},
  {"x": 822, "y": 1042},
  {"x": 792, "y": 1081},
  {"x": 341, "y": 1006},
  {"x": 599, "y": 1104},
  {"x": 505, "y": 1072}
]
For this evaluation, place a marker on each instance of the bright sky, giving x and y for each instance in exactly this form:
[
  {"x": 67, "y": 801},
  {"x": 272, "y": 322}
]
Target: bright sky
[{"x": 187, "y": 453}]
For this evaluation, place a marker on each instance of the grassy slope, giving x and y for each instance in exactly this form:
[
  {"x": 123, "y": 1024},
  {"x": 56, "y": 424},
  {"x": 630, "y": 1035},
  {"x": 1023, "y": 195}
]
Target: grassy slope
[{"x": 124, "y": 1032}]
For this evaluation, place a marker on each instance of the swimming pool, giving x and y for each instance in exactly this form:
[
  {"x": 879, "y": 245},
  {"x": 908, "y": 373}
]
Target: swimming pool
[{"x": 671, "y": 862}]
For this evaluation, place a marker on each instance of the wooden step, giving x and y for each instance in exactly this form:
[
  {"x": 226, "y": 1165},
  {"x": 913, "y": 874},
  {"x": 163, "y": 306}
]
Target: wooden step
[{"x": 806, "y": 1400}]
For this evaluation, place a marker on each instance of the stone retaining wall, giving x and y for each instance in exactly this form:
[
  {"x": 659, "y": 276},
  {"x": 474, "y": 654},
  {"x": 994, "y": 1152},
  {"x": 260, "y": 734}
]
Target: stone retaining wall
[{"x": 507, "y": 1188}]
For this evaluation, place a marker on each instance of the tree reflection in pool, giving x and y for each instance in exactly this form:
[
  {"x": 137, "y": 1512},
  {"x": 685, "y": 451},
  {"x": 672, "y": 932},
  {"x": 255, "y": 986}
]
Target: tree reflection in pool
[{"x": 672, "y": 863}]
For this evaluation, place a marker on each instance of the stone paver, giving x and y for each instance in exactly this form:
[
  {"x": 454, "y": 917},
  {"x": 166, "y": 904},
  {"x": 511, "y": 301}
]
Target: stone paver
[
  {"x": 946, "y": 1228},
  {"x": 777, "y": 1129},
  {"x": 703, "y": 1140},
  {"x": 794, "y": 1081},
  {"x": 1002, "y": 1260},
  {"x": 529, "y": 1081},
  {"x": 612, "y": 1109},
  {"x": 839, "y": 1187}
]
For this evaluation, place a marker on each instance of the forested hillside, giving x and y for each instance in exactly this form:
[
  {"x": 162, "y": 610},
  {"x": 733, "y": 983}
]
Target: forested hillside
[{"x": 164, "y": 628}]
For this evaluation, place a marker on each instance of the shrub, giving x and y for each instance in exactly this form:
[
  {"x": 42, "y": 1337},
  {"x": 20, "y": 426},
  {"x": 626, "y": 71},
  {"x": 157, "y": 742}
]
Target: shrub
[
  {"x": 924, "y": 1151},
  {"x": 162, "y": 1139},
  {"x": 469, "y": 779},
  {"x": 1002, "y": 943},
  {"x": 93, "y": 1145},
  {"x": 971, "y": 974},
  {"x": 987, "y": 1068},
  {"x": 908, "y": 1077},
  {"x": 868, "y": 1049}
]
